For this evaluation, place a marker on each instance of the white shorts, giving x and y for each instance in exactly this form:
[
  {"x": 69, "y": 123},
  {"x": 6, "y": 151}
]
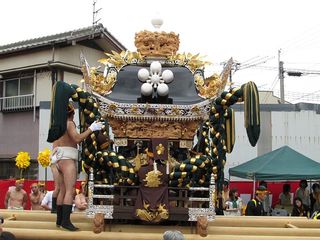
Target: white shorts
[{"x": 61, "y": 153}]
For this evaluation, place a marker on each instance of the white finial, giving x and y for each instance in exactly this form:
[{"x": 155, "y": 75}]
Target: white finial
[{"x": 157, "y": 21}]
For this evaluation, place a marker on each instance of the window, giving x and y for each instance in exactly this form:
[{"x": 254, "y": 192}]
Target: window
[
  {"x": 8, "y": 169},
  {"x": 18, "y": 86},
  {"x": 17, "y": 93}
]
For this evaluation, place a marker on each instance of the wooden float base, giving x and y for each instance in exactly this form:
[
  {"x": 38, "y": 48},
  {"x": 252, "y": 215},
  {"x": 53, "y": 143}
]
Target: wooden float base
[{"x": 39, "y": 225}]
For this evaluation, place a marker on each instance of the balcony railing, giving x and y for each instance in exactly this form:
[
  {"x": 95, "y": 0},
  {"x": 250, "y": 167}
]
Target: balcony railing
[{"x": 16, "y": 103}]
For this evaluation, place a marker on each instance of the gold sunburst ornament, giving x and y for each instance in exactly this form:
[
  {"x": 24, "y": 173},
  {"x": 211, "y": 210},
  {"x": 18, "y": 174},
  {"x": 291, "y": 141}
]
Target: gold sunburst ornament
[
  {"x": 160, "y": 149},
  {"x": 192, "y": 62},
  {"x": 153, "y": 179},
  {"x": 44, "y": 158}
]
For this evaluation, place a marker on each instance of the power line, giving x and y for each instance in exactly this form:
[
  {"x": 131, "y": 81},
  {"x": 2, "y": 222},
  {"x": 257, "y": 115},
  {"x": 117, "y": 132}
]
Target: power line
[
  {"x": 257, "y": 62},
  {"x": 250, "y": 60},
  {"x": 275, "y": 81},
  {"x": 300, "y": 38},
  {"x": 305, "y": 97}
]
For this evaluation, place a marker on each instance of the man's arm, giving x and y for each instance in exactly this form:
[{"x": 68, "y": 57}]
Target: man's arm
[
  {"x": 24, "y": 201},
  {"x": 6, "y": 200},
  {"x": 79, "y": 137}
]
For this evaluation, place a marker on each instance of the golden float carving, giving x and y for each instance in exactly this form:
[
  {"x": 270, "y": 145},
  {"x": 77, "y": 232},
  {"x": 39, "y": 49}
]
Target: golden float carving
[
  {"x": 156, "y": 44},
  {"x": 153, "y": 129}
]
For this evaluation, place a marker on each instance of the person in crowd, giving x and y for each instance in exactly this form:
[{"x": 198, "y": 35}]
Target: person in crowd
[
  {"x": 222, "y": 198},
  {"x": 285, "y": 197},
  {"x": 303, "y": 193},
  {"x": 255, "y": 206},
  {"x": 65, "y": 155},
  {"x": 46, "y": 203},
  {"x": 16, "y": 197},
  {"x": 41, "y": 186},
  {"x": 234, "y": 203},
  {"x": 225, "y": 193},
  {"x": 316, "y": 205},
  {"x": 299, "y": 209},
  {"x": 80, "y": 200},
  {"x": 266, "y": 203},
  {"x": 35, "y": 197},
  {"x": 173, "y": 235},
  {"x": 315, "y": 189},
  {"x": 7, "y": 236},
  {"x": 4, "y": 235}
]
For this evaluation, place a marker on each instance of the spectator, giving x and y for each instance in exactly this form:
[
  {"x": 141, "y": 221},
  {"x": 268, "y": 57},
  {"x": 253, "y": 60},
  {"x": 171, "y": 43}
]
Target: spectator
[
  {"x": 47, "y": 201},
  {"x": 225, "y": 193},
  {"x": 285, "y": 196},
  {"x": 285, "y": 199},
  {"x": 173, "y": 235},
  {"x": 80, "y": 199},
  {"x": 222, "y": 197},
  {"x": 35, "y": 197},
  {"x": 255, "y": 206},
  {"x": 41, "y": 186},
  {"x": 266, "y": 203},
  {"x": 303, "y": 193},
  {"x": 234, "y": 203},
  {"x": 315, "y": 189},
  {"x": 316, "y": 205},
  {"x": 5, "y": 235},
  {"x": 299, "y": 209},
  {"x": 16, "y": 197}
]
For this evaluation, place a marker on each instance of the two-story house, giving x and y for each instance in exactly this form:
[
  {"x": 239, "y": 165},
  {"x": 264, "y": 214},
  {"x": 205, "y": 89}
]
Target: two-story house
[{"x": 28, "y": 69}]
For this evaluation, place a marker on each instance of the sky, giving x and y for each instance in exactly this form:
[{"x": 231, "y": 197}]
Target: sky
[{"x": 249, "y": 31}]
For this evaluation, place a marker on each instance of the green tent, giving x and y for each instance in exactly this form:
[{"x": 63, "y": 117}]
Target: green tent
[{"x": 281, "y": 164}]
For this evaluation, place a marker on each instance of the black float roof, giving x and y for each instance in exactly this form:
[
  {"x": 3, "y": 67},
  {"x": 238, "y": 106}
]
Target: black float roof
[{"x": 182, "y": 89}]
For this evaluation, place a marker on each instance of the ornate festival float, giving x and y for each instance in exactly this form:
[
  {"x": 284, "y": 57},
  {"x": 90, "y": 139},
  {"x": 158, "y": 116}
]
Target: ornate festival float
[{"x": 171, "y": 128}]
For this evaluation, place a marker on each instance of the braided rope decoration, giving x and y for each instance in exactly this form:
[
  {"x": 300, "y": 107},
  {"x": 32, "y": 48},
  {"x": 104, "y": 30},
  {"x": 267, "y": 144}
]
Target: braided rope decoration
[
  {"x": 220, "y": 139},
  {"x": 191, "y": 172},
  {"x": 108, "y": 167}
]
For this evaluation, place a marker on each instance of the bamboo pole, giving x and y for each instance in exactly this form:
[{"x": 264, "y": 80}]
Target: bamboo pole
[
  {"x": 254, "y": 231},
  {"x": 289, "y": 225},
  {"x": 39, "y": 234}
]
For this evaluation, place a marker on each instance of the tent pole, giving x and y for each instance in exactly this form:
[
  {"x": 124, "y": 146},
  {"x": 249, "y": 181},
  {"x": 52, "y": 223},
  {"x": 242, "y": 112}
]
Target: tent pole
[{"x": 254, "y": 186}]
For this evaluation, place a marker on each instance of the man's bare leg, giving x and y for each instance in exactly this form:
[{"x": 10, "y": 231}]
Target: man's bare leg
[
  {"x": 69, "y": 172},
  {"x": 57, "y": 183},
  {"x": 62, "y": 191}
]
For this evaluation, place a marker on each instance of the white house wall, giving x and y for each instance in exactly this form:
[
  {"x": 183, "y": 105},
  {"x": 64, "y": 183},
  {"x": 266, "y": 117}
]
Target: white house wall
[
  {"x": 298, "y": 129},
  {"x": 71, "y": 55},
  {"x": 72, "y": 78},
  {"x": 43, "y": 87},
  {"x": 27, "y": 59}
]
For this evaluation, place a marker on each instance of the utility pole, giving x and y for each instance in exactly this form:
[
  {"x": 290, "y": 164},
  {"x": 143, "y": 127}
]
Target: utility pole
[{"x": 281, "y": 78}]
